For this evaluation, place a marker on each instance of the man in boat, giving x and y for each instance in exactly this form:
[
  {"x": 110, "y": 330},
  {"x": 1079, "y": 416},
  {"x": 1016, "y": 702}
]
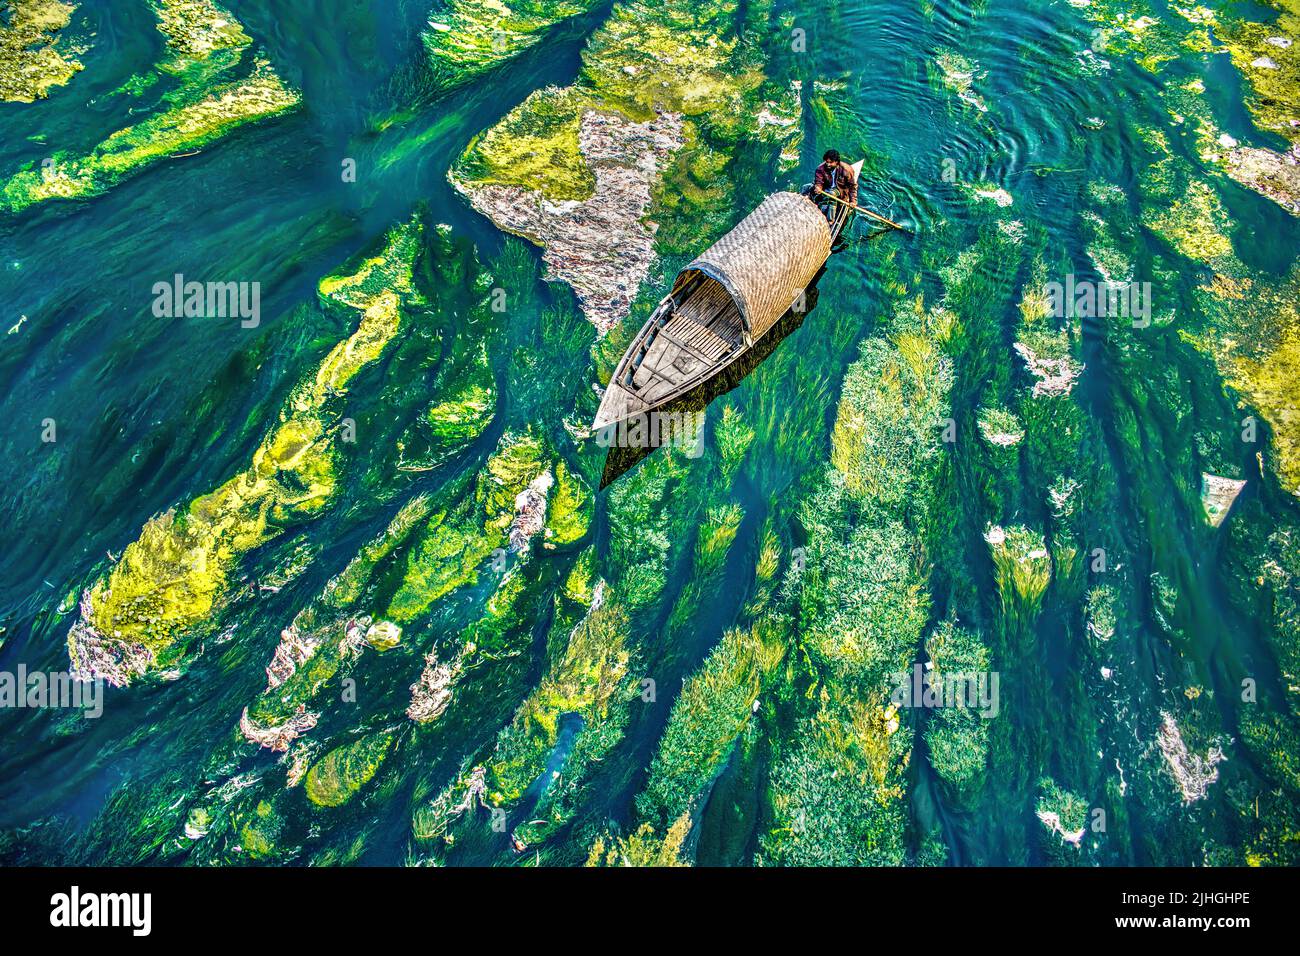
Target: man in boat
[{"x": 833, "y": 177}]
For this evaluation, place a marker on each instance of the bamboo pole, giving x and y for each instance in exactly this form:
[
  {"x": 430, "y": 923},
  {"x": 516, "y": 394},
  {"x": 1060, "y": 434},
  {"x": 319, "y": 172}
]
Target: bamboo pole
[{"x": 873, "y": 215}]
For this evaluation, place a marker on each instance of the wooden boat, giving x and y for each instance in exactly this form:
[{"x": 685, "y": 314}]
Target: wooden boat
[{"x": 723, "y": 303}]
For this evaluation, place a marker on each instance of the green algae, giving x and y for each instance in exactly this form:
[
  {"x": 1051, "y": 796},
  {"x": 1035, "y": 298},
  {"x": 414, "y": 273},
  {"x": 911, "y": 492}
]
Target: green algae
[
  {"x": 494, "y": 636},
  {"x": 467, "y": 38},
  {"x": 1099, "y": 612},
  {"x": 583, "y": 681},
  {"x": 860, "y": 603},
  {"x": 467, "y": 410},
  {"x": 199, "y": 106},
  {"x": 31, "y": 62},
  {"x": 535, "y": 147},
  {"x": 586, "y": 676},
  {"x": 643, "y": 847},
  {"x": 280, "y": 715},
  {"x": 1128, "y": 29},
  {"x": 1255, "y": 340},
  {"x": 957, "y": 737},
  {"x": 1061, "y": 812},
  {"x": 956, "y": 73},
  {"x": 733, "y": 436},
  {"x": 324, "y": 635},
  {"x": 673, "y": 57},
  {"x": 447, "y": 556},
  {"x": 1022, "y": 570},
  {"x": 517, "y": 461},
  {"x": 259, "y": 833},
  {"x": 348, "y": 587},
  {"x": 341, "y": 774},
  {"x": 173, "y": 576},
  {"x": 1180, "y": 206},
  {"x": 175, "y": 130},
  {"x": 589, "y": 669},
  {"x": 454, "y": 545},
  {"x": 1000, "y": 428},
  {"x": 639, "y": 528},
  {"x": 580, "y": 583},
  {"x": 714, "y": 707},
  {"x": 837, "y": 793},
  {"x": 892, "y": 405},
  {"x": 1271, "y": 68},
  {"x": 196, "y": 29},
  {"x": 570, "y": 508}
]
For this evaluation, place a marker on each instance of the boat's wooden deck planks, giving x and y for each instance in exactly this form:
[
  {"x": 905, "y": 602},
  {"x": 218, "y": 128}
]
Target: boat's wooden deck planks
[{"x": 673, "y": 353}]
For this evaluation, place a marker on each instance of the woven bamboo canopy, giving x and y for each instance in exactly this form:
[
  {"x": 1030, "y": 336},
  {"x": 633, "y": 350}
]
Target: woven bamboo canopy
[{"x": 767, "y": 260}]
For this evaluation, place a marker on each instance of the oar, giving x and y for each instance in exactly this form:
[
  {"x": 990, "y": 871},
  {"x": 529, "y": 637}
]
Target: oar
[{"x": 873, "y": 215}]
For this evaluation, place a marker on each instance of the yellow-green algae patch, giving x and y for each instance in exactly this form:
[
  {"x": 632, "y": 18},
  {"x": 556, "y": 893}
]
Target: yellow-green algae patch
[
  {"x": 177, "y": 129},
  {"x": 197, "y": 28},
  {"x": 322, "y": 644},
  {"x": 673, "y": 56},
  {"x": 1253, "y": 324},
  {"x": 714, "y": 707},
  {"x": 1268, "y": 56},
  {"x": 469, "y": 37},
  {"x": 587, "y": 676},
  {"x": 582, "y": 681},
  {"x": 466, "y": 412},
  {"x": 1180, "y": 206},
  {"x": 30, "y": 60},
  {"x": 456, "y": 542},
  {"x": 339, "y": 776},
  {"x": 1128, "y": 29},
  {"x": 1256, "y": 345},
  {"x": 535, "y": 147},
  {"x": 570, "y": 508},
  {"x": 171, "y": 578}
]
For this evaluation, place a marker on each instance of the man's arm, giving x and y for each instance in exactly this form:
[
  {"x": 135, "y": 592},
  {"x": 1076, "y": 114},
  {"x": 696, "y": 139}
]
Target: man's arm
[{"x": 819, "y": 179}]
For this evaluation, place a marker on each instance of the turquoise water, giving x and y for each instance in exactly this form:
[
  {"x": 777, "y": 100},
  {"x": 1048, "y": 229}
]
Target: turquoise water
[{"x": 153, "y": 412}]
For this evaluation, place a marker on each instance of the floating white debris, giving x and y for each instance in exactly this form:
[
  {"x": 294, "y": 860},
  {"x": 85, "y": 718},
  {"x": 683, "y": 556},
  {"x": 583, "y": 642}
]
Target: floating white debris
[
  {"x": 530, "y": 511},
  {"x": 1053, "y": 376},
  {"x": 1052, "y": 821},
  {"x": 431, "y": 694},
  {"x": 999, "y": 196},
  {"x": 1191, "y": 772},
  {"x": 1217, "y": 496},
  {"x": 277, "y": 736}
]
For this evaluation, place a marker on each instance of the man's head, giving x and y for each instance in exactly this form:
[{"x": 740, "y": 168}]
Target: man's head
[{"x": 831, "y": 156}]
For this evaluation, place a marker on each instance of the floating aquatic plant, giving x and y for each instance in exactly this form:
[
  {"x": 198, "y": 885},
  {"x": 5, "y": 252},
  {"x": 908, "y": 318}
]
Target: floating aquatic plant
[
  {"x": 339, "y": 776},
  {"x": 31, "y": 62},
  {"x": 466, "y": 38},
  {"x": 175, "y": 130},
  {"x": 170, "y": 580}
]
